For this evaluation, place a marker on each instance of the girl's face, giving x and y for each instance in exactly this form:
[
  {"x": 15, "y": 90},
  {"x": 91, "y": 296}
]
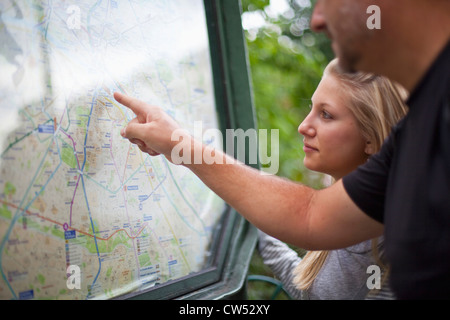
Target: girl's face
[{"x": 333, "y": 142}]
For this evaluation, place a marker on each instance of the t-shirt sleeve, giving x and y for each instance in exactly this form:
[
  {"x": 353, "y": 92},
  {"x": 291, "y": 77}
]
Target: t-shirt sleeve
[{"x": 366, "y": 186}]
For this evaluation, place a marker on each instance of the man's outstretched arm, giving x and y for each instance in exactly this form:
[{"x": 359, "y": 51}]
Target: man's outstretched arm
[{"x": 294, "y": 213}]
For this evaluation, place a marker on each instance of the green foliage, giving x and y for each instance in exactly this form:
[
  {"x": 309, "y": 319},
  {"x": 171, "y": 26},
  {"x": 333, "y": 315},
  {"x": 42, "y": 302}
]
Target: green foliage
[
  {"x": 286, "y": 62},
  {"x": 285, "y": 71}
]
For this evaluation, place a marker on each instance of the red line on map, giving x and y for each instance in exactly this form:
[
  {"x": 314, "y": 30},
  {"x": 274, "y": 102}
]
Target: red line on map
[{"x": 80, "y": 231}]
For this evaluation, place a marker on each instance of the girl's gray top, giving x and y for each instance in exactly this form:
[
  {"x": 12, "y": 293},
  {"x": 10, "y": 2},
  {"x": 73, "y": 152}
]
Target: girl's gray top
[{"x": 343, "y": 276}]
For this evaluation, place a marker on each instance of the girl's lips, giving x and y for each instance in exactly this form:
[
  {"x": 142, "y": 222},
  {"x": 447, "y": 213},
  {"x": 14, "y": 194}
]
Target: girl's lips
[{"x": 308, "y": 148}]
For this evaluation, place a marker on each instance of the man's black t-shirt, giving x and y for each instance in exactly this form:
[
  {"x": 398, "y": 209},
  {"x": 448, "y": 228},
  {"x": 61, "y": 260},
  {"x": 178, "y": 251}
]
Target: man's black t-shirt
[{"x": 406, "y": 186}]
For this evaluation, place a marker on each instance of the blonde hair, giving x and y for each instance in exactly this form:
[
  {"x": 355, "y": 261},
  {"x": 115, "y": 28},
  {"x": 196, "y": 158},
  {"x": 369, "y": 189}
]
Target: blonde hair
[{"x": 377, "y": 104}]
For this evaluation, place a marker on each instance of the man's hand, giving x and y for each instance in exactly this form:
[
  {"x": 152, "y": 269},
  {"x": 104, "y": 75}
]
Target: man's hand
[{"x": 152, "y": 128}]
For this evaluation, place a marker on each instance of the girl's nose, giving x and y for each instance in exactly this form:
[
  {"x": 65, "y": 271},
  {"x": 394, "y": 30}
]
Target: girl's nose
[{"x": 306, "y": 128}]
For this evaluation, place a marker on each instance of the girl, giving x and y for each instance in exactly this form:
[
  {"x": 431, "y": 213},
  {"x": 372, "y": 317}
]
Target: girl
[{"x": 350, "y": 117}]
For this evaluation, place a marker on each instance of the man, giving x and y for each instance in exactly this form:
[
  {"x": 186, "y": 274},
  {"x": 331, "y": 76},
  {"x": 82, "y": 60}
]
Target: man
[
  {"x": 404, "y": 190},
  {"x": 407, "y": 187}
]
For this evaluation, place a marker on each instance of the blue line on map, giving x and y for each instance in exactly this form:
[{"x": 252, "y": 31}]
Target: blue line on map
[{"x": 85, "y": 195}]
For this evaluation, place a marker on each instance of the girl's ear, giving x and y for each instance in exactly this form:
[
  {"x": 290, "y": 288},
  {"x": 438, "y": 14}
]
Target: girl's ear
[{"x": 369, "y": 150}]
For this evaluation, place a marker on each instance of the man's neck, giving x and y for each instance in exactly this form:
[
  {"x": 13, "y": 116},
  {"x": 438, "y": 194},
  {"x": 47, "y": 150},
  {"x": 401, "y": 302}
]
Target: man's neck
[
  {"x": 415, "y": 65},
  {"x": 413, "y": 38},
  {"x": 425, "y": 35}
]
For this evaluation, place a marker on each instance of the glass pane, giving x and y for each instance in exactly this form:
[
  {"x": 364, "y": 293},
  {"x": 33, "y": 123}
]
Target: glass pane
[{"x": 83, "y": 213}]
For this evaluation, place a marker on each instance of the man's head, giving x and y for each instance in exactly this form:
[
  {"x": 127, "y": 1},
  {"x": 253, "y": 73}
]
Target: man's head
[
  {"x": 344, "y": 22},
  {"x": 411, "y": 34}
]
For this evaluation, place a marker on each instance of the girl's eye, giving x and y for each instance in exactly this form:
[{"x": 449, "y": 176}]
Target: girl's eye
[{"x": 325, "y": 115}]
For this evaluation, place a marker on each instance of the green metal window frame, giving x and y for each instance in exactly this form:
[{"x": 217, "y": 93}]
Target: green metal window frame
[{"x": 236, "y": 239}]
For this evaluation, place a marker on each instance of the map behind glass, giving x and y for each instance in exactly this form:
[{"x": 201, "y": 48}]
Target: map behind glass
[{"x": 73, "y": 192}]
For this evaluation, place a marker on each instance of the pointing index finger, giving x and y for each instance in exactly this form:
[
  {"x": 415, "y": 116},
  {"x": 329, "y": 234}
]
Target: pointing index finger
[{"x": 134, "y": 104}]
